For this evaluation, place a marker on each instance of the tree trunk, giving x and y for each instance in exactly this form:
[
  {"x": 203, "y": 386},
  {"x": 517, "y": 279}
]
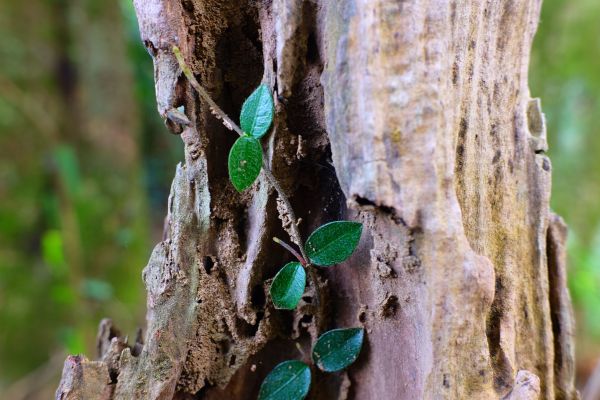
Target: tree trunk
[{"x": 413, "y": 117}]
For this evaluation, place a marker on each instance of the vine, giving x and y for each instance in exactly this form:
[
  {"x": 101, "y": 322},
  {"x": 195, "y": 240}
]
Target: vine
[{"x": 329, "y": 244}]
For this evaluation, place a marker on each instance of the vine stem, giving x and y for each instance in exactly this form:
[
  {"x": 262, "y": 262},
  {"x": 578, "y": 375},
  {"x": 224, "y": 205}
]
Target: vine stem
[
  {"x": 229, "y": 124},
  {"x": 291, "y": 250},
  {"x": 302, "y": 352},
  {"x": 214, "y": 108}
]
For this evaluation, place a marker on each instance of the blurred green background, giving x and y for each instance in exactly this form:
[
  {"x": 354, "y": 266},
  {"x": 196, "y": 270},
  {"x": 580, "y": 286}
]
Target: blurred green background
[
  {"x": 86, "y": 164},
  {"x": 85, "y": 169},
  {"x": 565, "y": 74}
]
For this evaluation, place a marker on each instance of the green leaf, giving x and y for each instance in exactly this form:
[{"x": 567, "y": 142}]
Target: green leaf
[
  {"x": 333, "y": 243},
  {"x": 290, "y": 380},
  {"x": 288, "y": 286},
  {"x": 257, "y": 112},
  {"x": 245, "y": 161},
  {"x": 338, "y": 348}
]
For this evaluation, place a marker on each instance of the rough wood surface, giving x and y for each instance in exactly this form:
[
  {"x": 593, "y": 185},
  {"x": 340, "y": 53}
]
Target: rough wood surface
[
  {"x": 84, "y": 379},
  {"x": 413, "y": 117}
]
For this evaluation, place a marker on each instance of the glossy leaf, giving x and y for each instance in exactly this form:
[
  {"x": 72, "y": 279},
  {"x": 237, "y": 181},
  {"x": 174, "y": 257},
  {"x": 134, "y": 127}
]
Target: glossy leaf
[
  {"x": 288, "y": 286},
  {"x": 333, "y": 243},
  {"x": 290, "y": 380},
  {"x": 257, "y": 112},
  {"x": 338, "y": 348},
  {"x": 245, "y": 161}
]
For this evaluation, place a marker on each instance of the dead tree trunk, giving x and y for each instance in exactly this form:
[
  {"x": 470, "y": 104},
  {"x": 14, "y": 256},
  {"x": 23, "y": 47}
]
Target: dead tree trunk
[{"x": 413, "y": 117}]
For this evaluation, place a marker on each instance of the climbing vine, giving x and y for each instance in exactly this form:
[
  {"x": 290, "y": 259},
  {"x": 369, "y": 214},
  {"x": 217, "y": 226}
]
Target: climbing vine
[{"x": 329, "y": 244}]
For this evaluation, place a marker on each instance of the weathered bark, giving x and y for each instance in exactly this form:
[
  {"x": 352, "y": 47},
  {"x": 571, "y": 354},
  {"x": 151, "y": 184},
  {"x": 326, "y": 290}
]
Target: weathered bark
[{"x": 435, "y": 145}]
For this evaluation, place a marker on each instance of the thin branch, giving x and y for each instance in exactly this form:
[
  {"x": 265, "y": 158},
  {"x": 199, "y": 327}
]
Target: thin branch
[
  {"x": 229, "y": 124},
  {"x": 214, "y": 108},
  {"x": 291, "y": 250}
]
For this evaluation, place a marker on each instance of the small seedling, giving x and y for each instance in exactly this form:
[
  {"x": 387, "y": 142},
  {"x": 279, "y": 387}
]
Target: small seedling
[{"x": 329, "y": 244}]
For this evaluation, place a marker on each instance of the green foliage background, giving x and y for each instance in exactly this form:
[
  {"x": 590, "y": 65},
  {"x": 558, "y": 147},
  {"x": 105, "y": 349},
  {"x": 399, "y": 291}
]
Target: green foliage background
[
  {"x": 565, "y": 73},
  {"x": 86, "y": 163},
  {"x": 85, "y": 168}
]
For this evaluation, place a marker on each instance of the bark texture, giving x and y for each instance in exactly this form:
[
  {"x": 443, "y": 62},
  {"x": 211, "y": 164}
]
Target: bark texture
[{"x": 413, "y": 117}]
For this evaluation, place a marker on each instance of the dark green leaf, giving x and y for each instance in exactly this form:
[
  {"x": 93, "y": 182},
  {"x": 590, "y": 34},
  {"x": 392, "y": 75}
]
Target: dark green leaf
[
  {"x": 338, "y": 348},
  {"x": 290, "y": 380},
  {"x": 257, "y": 112},
  {"x": 288, "y": 286},
  {"x": 245, "y": 161},
  {"x": 333, "y": 243}
]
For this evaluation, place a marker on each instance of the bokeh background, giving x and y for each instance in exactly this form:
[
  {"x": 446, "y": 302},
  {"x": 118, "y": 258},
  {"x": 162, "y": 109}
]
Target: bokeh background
[{"x": 86, "y": 164}]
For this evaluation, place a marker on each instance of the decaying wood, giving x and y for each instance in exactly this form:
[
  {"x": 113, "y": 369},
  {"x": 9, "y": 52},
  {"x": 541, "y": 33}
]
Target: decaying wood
[
  {"x": 413, "y": 117},
  {"x": 563, "y": 325},
  {"x": 84, "y": 379}
]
